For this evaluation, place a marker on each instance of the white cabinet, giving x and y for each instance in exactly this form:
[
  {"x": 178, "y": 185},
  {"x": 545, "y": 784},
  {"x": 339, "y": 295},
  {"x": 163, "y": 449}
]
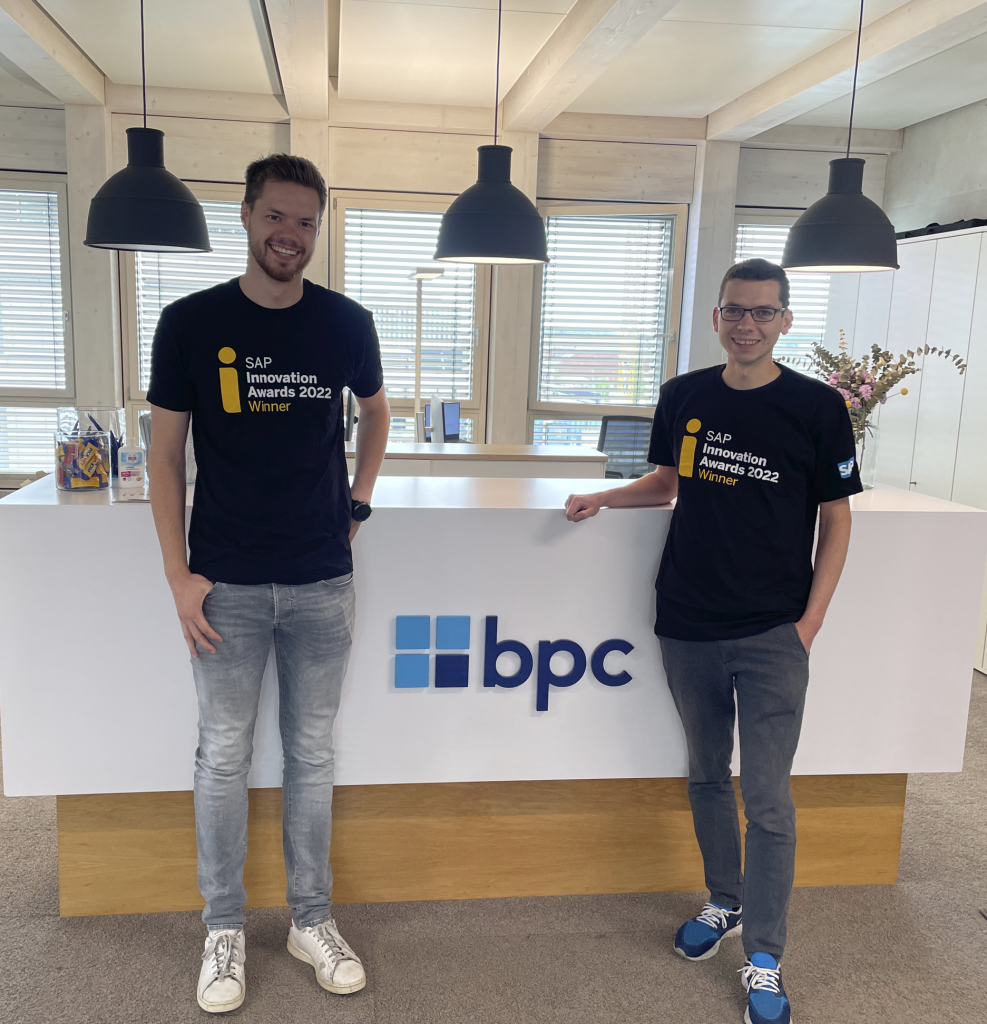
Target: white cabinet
[
  {"x": 934, "y": 439},
  {"x": 940, "y": 386}
]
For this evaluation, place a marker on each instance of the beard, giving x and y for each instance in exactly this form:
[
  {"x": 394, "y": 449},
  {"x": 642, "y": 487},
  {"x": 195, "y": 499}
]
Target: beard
[{"x": 273, "y": 269}]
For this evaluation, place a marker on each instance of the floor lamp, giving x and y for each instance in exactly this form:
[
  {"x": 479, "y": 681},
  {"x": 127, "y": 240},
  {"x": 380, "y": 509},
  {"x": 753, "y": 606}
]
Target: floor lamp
[{"x": 418, "y": 275}]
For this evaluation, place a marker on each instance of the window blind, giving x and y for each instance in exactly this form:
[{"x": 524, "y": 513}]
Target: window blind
[
  {"x": 382, "y": 248},
  {"x": 810, "y": 292},
  {"x": 27, "y": 439},
  {"x": 604, "y": 316},
  {"x": 164, "y": 277},
  {"x": 32, "y": 321},
  {"x": 585, "y": 432}
]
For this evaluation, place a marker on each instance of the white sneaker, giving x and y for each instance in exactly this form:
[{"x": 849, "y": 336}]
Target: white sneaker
[
  {"x": 223, "y": 978},
  {"x": 337, "y": 968}
]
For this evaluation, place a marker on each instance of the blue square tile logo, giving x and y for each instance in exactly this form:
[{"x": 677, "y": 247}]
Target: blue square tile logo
[
  {"x": 414, "y": 633},
  {"x": 411, "y": 671},
  {"x": 452, "y": 632}
]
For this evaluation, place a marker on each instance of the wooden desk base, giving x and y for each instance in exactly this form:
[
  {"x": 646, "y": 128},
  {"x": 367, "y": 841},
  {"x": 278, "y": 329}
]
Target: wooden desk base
[{"x": 135, "y": 853}]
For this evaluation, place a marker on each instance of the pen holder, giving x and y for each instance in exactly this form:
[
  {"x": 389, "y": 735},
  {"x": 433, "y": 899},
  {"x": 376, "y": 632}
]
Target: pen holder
[{"x": 83, "y": 461}]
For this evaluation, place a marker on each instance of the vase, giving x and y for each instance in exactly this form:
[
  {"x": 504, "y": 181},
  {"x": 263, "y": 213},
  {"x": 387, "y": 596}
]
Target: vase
[{"x": 867, "y": 446}]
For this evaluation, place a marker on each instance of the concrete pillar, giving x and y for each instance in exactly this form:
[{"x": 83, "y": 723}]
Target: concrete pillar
[
  {"x": 94, "y": 280},
  {"x": 310, "y": 139},
  {"x": 709, "y": 251},
  {"x": 510, "y": 339}
]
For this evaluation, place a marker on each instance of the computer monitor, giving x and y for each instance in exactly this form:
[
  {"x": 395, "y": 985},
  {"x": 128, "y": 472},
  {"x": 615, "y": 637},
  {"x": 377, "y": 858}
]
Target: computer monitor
[
  {"x": 428, "y": 421},
  {"x": 450, "y": 421}
]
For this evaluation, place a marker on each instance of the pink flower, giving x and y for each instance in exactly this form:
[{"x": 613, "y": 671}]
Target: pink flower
[
  {"x": 866, "y": 391},
  {"x": 834, "y": 379},
  {"x": 855, "y": 403},
  {"x": 844, "y": 393}
]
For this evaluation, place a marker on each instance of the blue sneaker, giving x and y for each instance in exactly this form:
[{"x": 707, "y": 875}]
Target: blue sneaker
[
  {"x": 699, "y": 938},
  {"x": 766, "y": 999}
]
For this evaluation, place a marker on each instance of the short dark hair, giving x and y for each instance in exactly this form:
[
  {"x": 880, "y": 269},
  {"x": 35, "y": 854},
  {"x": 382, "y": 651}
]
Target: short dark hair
[
  {"x": 284, "y": 167},
  {"x": 758, "y": 270}
]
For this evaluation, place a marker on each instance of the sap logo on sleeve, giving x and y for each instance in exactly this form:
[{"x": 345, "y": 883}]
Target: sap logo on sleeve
[
  {"x": 415, "y": 665},
  {"x": 845, "y": 468}
]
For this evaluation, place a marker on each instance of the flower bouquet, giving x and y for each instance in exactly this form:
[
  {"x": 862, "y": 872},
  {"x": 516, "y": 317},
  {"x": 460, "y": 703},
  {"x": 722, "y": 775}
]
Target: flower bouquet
[
  {"x": 866, "y": 383},
  {"x": 869, "y": 381}
]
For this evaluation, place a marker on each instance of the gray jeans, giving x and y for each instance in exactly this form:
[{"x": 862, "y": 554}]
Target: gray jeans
[
  {"x": 311, "y": 628},
  {"x": 768, "y": 674}
]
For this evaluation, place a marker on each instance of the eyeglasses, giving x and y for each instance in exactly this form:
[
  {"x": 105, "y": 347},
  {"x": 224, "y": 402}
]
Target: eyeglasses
[{"x": 760, "y": 314}]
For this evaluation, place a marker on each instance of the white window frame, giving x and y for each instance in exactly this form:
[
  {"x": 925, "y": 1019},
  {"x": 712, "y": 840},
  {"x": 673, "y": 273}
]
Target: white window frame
[
  {"x": 136, "y": 399},
  {"x": 24, "y": 181},
  {"x": 475, "y": 408},
  {"x": 762, "y": 215},
  {"x": 539, "y": 410},
  {"x": 45, "y": 398}
]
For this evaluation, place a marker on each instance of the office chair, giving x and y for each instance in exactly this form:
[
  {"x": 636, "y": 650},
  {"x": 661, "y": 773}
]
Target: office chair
[{"x": 624, "y": 440}]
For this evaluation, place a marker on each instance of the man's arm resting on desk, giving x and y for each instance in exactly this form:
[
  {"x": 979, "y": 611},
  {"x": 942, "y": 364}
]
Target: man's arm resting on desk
[
  {"x": 166, "y": 469},
  {"x": 371, "y": 440},
  {"x": 657, "y": 488},
  {"x": 831, "y": 549}
]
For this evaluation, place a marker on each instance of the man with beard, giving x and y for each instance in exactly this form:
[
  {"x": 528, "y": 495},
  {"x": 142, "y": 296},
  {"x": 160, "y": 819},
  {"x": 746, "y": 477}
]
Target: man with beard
[{"x": 259, "y": 364}]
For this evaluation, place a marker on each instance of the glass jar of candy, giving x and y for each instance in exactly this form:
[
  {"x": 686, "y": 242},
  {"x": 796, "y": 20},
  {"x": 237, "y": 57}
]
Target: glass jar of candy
[{"x": 83, "y": 461}]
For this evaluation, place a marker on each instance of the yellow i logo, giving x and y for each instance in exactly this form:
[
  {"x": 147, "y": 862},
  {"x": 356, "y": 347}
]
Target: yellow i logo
[
  {"x": 229, "y": 381},
  {"x": 687, "y": 456}
]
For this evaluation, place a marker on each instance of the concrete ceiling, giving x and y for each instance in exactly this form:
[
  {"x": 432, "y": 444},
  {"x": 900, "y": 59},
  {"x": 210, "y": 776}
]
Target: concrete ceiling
[
  {"x": 951, "y": 79},
  {"x": 439, "y": 51},
  {"x": 191, "y": 44},
  {"x": 700, "y": 56},
  {"x": 705, "y": 53}
]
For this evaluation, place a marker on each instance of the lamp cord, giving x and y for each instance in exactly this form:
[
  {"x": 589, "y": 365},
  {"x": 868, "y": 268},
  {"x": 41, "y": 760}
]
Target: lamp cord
[
  {"x": 856, "y": 65},
  {"x": 500, "y": 14},
  {"x": 143, "y": 68}
]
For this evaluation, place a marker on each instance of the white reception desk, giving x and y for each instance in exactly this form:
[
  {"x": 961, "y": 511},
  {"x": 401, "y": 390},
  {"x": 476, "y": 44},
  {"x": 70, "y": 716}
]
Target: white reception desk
[{"x": 96, "y": 695}]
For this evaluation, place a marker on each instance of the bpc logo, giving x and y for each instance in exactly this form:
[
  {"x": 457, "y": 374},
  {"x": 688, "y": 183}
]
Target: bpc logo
[{"x": 452, "y": 633}]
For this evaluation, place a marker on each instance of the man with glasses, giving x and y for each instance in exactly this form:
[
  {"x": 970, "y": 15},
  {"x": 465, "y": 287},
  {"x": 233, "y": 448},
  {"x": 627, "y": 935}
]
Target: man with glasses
[{"x": 753, "y": 451}]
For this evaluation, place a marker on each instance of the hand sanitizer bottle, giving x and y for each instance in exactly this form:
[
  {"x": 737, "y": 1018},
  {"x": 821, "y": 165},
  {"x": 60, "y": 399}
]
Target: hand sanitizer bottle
[{"x": 130, "y": 462}]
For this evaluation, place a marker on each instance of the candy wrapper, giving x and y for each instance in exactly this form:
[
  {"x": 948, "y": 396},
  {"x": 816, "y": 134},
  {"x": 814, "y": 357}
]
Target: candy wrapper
[{"x": 82, "y": 460}]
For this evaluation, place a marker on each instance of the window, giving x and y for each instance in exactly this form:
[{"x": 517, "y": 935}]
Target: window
[
  {"x": 607, "y": 318},
  {"x": 164, "y": 277},
  {"x": 36, "y": 373},
  {"x": 810, "y": 292},
  {"x": 377, "y": 245}
]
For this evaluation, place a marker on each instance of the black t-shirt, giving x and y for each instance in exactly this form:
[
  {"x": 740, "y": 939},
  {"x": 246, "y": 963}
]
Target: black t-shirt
[
  {"x": 272, "y": 496},
  {"x": 753, "y": 467}
]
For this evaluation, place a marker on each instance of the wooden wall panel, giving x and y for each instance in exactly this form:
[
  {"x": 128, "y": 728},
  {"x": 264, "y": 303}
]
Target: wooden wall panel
[
  {"x": 32, "y": 139},
  {"x": 135, "y": 853},
  {"x": 789, "y": 178},
  {"x": 624, "y": 171},
  {"x": 202, "y": 149}
]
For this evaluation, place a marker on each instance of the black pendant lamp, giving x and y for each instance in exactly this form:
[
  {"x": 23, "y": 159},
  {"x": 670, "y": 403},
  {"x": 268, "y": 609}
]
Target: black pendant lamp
[
  {"x": 844, "y": 232},
  {"x": 492, "y": 221},
  {"x": 145, "y": 207}
]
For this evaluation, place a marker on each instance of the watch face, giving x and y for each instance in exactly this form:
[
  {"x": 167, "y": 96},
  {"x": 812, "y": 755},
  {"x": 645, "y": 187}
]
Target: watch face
[{"x": 361, "y": 511}]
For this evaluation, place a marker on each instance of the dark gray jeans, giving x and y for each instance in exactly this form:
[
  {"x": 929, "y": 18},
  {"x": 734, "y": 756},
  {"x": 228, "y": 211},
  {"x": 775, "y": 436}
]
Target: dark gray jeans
[
  {"x": 311, "y": 628},
  {"x": 768, "y": 674}
]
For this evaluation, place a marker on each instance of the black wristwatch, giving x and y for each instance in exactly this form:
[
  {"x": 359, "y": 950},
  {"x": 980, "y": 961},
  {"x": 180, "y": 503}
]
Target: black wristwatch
[{"x": 360, "y": 512}]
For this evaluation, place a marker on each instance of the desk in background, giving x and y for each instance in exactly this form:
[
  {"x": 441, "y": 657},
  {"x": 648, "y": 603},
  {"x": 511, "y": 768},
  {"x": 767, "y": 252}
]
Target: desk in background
[{"x": 489, "y": 460}]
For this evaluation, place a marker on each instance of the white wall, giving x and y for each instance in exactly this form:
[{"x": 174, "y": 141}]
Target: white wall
[{"x": 940, "y": 175}]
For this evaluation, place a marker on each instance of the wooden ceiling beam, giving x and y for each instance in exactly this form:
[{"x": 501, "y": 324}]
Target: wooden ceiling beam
[
  {"x": 300, "y": 36},
  {"x": 35, "y": 43},
  {"x": 593, "y": 35},
  {"x": 912, "y": 33}
]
